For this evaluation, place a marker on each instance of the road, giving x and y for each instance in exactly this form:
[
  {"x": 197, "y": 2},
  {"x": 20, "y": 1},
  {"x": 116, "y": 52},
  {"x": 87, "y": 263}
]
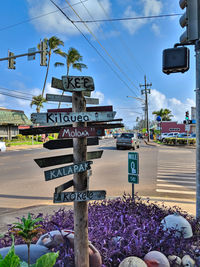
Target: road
[{"x": 165, "y": 172}]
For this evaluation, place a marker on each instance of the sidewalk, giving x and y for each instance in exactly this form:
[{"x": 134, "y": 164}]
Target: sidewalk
[{"x": 22, "y": 147}]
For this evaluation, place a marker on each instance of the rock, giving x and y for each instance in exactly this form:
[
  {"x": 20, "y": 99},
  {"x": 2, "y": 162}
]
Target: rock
[
  {"x": 157, "y": 256},
  {"x": 175, "y": 261},
  {"x": 187, "y": 261},
  {"x": 54, "y": 238},
  {"x": 178, "y": 223},
  {"x": 132, "y": 262}
]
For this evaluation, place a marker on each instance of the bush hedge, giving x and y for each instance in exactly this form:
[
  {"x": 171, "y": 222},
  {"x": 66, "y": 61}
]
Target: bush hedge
[
  {"x": 179, "y": 141},
  {"x": 121, "y": 228}
]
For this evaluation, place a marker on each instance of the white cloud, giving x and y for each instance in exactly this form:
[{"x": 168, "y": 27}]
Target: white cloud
[
  {"x": 99, "y": 95},
  {"x": 149, "y": 8},
  {"x": 155, "y": 29},
  {"x": 57, "y": 23},
  {"x": 51, "y": 90},
  {"x": 157, "y": 100}
]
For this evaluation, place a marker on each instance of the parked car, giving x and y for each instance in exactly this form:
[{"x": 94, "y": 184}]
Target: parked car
[
  {"x": 173, "y": 134},
  {"x": 162, "y": 136},
  {"x": 2, "y": 146},
  {"x": 115, "y": 135},
  {"x": 193, "y": 135},
  {"x": 128, "y": 140},
  {"x": 182, "y": 135}
]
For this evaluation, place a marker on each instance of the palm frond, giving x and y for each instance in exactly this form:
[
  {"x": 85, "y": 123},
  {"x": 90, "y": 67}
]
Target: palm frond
[{"x": 59, "y": 64}]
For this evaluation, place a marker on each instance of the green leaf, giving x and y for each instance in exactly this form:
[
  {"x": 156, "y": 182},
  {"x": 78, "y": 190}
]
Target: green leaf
[
  {"x": 11, "y": 259},
  {"x": 47, "y": 260}
]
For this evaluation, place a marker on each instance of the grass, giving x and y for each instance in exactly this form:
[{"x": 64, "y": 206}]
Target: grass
[{"x": 19, "y": 143}]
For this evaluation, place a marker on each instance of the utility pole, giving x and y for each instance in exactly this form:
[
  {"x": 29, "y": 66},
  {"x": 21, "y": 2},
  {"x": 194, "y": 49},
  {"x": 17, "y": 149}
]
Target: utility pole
[
  {"x": 146, "y": 91},
  {"x": 197, "y": 50}
]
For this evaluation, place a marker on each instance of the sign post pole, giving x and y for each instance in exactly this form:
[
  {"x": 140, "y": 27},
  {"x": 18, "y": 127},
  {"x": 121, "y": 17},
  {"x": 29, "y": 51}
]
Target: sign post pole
[{"x": 80, "y": 184}]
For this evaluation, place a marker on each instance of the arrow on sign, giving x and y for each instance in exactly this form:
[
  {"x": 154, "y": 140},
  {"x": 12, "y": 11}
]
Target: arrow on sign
[
  {"x": 58, "y": 160},
  {"x": 67, "y": 170},
  {"x": 66, "y": 143},
  {"x": 79, "y": 196},
  {"x": 63, "y": 118}
]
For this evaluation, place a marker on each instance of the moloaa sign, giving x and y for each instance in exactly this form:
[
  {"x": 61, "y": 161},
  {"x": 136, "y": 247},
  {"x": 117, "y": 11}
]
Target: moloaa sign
[
  {"x": 78, "y": 83},
  {"x": 67, "y": 170},
  {"x": 79, "y": 196},
  {"x": 72, "y": 132},
  {"x": 62, "y": 118}
]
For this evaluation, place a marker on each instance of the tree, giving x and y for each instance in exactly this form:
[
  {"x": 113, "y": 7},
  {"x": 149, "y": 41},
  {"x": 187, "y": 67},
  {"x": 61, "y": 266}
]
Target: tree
[
  {"x": 73, "y": 59},
  {"x": 52, "y": 45},
  {"x": 165, "y": 114},
  {"x": 38, "y": 102}
]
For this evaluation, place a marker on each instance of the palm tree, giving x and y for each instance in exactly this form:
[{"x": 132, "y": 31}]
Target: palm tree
[
  {"x": 165, "y": 114},
  {"x": 38, "y": 102},
  {"x": 52, "y": 45},
  {"x": 73, "y": 59}
]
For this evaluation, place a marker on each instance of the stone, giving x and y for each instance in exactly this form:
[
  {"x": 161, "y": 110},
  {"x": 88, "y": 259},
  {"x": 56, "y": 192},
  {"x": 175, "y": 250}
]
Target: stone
[
  {"x": 157, "y": 256},
  {"x": 174, "y": 260},
  {"x": 132, "y": 262},
  {"x": 187, "y": 261}
]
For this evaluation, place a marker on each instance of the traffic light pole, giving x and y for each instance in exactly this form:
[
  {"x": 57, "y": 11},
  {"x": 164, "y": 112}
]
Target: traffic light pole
[{"x": 197, "y": 50}]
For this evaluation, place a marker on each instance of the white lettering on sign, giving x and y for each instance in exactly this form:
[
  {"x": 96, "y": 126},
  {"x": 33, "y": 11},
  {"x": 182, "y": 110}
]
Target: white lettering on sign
[
  {"x": 67, "y": 170},
  {"x": 132, "y": 156},
  {"x": 75, "y": 133},
  {"x": 78, "y": 83},
  {"x": 62, "y": 118}
]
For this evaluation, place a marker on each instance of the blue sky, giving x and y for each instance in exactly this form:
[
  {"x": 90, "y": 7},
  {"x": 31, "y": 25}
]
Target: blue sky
[{"x": 132, "y": 48}]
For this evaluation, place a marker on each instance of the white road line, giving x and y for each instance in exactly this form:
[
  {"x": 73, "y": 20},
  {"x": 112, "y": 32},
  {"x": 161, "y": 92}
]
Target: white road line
[
  {"x": 176, "y": 171},
  {"x": 176, "y": 181},
  {"x": 175, "y": 192},
  {"x": 176, "y": 185}
]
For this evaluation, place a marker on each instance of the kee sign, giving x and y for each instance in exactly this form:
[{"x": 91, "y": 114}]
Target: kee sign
[{"x": 78, "y": 83}]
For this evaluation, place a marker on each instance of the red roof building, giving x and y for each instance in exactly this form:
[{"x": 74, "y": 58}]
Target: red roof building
[{"x": 172, "y": 126}]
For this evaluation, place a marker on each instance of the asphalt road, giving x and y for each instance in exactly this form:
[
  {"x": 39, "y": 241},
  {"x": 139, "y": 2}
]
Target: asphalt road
[{"x": 165, "y": 172}]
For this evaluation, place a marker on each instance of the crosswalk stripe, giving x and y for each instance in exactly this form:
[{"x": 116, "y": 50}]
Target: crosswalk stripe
[
  {"x": 175, "y": 192},
  {"x": 176, "y": 185},
  {"x": 176, "y": 181},
  {"x": 177, "y": 176}
]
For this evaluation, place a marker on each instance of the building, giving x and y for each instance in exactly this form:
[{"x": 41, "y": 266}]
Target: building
[
  {"x": 10, "y": 120},
  {"x": 171, "y": 126}
]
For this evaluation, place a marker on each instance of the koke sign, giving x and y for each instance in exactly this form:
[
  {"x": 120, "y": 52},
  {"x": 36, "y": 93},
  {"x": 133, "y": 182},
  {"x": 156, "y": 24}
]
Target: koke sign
[
  {"x": 67, "y": 170},
  {"x": 66, "y": 118},
  {"x": 78, "y": 83},
  {"x": 79, "y": 196},
  {"x": 73, "y": 132}
]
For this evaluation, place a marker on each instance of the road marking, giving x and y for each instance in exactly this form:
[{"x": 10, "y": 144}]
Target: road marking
[
  {"x": 175, "y": 192},
  {"x": 182, "y": 177},
  {"x": 176, "y": 181},
  {"x": 176, "y": 185}
]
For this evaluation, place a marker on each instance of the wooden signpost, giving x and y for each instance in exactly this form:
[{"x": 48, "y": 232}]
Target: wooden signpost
[
  {"x": 77, "y": 127},
  {"x": 71, "y": 132},
  {"x": 79, "y": 196},
  {"x": 68, "y": 99},
  {"x": 67, "y": 170},
  {"x": 65, "y": 118},
  {"x": 77, "y": 83}
]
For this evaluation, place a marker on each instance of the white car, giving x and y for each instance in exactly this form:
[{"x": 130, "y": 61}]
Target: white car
[{"x": 2, "y": 146}]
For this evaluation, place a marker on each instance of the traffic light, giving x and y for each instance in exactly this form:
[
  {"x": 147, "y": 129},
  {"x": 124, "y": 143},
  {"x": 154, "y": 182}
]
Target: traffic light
[
  {"x": 43, "y": 54},
  {"x": 11, "y": 61},
  {"x": 176, "y": 60},
  {"x": 189, "y": 20},
  {"x": 187, "y": 115}
]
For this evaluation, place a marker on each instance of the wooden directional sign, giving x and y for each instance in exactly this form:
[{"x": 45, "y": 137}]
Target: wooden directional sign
[
  {"x": 78, "y": 132},
  {"x": 77, "y": 83},
  {"x": 62, "y": 118},
  {"x": 66, "y": 143},
  {"x": 58, "y": 160},
  {"x": 68, "y": 99},
  {"x": 79, "y": 196},
  {"x": 64, "y": 186},
  {"x": 67, "y": 170},
  {"x": 90, "y": 109},
  {"x": 57, "y": 83},
  {"x": 56, "y": 129}
]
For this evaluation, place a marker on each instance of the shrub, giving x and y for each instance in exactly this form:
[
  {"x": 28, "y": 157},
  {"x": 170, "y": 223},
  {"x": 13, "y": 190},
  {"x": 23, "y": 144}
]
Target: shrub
[{"x": 121, "y": 228}]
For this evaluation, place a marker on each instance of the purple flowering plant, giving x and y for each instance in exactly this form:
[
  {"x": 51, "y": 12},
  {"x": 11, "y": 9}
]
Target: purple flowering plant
[{"x": 121, "y": 228}]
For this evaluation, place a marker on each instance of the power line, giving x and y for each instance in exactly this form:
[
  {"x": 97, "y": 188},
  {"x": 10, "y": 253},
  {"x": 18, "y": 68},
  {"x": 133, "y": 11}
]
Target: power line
[
  {"x": 6, "y": 89},
  {"x": 129, "y": 18},
  {"x": 94, "y": 48},
  {"x": 37, "y": 17}
]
